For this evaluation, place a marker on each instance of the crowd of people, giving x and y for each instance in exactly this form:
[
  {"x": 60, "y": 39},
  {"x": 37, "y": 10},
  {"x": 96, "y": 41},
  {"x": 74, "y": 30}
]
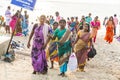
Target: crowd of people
[
  {"x": 56, "y": 39},
  {"x": 15, "y": 22}
]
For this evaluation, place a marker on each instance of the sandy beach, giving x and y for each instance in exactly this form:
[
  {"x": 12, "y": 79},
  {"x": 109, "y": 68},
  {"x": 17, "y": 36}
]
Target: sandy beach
[{"x": 105, "y": 65}]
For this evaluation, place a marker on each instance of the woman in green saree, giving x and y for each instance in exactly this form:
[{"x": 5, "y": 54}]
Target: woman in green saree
[{"x": 64, "y": 47}]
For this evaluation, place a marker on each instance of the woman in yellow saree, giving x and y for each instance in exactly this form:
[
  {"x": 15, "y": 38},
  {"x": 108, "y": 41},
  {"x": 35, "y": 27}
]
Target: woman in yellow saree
[
  {"x": 52, "y": 50},
  {"x": 82, "y": 45}
]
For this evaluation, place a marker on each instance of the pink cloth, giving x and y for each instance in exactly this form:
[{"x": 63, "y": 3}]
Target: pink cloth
[
  {"x": 19, "y": 34},
  {"x": 13, "y": 23},
  {"x": 95, "y": 24},
  {"x": 115, "y": 21}
]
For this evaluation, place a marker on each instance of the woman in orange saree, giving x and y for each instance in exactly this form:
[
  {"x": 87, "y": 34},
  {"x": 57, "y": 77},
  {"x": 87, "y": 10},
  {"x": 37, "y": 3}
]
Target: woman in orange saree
[{"x": 109, "y": 30}]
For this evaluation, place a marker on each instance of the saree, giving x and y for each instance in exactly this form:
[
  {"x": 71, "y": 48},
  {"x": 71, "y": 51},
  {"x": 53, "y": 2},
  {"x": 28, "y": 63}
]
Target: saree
[
  {"x": 64, "y": 48},
  {"x": 18, "y": 29},
  {"x": 72, "y": 24},
  {"x": 109, "y": 32},
  {"x": 24, "y": 24},
  {"x": 95, "y": 28},
  {"x": 81, "y": 49},
  {"x": 39, "y": 61},
  {"x": 52, "y": 50},
  {"x": 13, "y": 23}
]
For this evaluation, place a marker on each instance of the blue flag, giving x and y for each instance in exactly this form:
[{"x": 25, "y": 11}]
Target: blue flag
[{"x": 27, "y": 4}]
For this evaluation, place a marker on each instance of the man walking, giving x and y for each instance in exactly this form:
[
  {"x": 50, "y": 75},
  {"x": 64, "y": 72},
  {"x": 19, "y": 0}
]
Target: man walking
[{"x": 116, "y": 23}]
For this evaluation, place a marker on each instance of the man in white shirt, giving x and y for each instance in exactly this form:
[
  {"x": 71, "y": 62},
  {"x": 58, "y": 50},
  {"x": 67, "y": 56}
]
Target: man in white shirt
[{"x": 8, "y": 18}]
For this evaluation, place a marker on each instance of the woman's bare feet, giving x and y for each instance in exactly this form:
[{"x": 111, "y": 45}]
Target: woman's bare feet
[{"x": 34, "y": 72}]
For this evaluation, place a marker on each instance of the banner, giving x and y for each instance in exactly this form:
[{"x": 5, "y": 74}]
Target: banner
[{"x": 27, "y": 4}]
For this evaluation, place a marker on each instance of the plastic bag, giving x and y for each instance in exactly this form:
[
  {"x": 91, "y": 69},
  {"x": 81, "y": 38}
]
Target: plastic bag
[{"x": 72, "y": 64}]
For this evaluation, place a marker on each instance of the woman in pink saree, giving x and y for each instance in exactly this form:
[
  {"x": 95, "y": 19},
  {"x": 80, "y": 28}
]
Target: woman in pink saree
[
  {"x": 13, "y": 22},
  {"x": 95, "y": 25}
]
